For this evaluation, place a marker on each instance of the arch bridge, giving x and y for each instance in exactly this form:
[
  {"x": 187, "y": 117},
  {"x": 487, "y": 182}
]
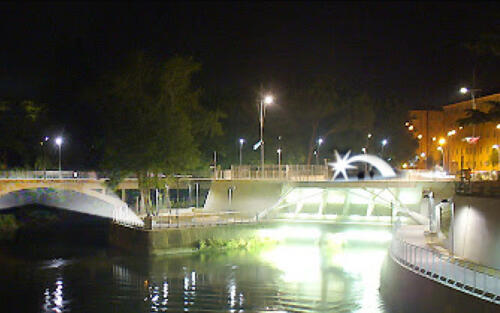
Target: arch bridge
[{"x": 82, "y": 195}]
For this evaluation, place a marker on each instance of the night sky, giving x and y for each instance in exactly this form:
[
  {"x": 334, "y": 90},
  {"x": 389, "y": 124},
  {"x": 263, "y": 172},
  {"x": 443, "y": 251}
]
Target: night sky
[{"x": 414, "y": 52}]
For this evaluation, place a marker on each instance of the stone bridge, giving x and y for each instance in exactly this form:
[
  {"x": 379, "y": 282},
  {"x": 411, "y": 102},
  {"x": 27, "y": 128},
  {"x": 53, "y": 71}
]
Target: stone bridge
[{"x": 82, "y": 195}]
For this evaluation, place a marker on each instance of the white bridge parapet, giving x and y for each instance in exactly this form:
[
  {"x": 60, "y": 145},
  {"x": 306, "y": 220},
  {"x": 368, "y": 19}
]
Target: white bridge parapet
[{"x": 467, "y": 277}]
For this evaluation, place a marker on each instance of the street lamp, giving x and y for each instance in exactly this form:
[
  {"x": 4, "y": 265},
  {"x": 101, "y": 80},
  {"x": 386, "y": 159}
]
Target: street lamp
[
  {"x": 320, "y": 141},
  {"x": 44, "y": 159},
  {"x": 472, "y": 91},
  {"x": 442, "y": 142},
  {"x": 242, "y": 141},
  {"x": 266, "y": 100},
  {"x": 59, "y": 142},
  {"x": 384, "y": 143}
]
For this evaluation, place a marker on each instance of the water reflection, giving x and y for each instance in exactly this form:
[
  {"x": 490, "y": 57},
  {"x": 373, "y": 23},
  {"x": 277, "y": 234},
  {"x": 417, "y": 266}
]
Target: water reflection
[
  {"x": 291, "y": 277},
  {"x": 54, "y": 301}
]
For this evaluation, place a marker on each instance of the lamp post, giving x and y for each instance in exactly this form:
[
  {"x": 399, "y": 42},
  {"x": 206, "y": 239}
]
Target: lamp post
[
  {"x": 59, "y": 142},
  {"x": 242, "y": 141},
  {"x": 320, "y": 141},
  {"x": 472, "y": 91},
  {"x": 384, "y": 143},
  {"x": 266, "y": 100},
  {"x": 442, "y": 142},
  {"x": 44, "y": 159}
]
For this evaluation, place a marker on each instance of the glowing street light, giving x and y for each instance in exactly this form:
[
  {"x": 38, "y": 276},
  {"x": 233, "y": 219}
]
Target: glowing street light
[
  {"x": 441, "y": 141},
  {"x": 320, "y": 142},
  {"x": 59, "y": 142},
  {"x": 278, "y": 151},
  {"x": 419, "y": 136},
  {"x": 384, "y": 143},
  {"x": 266, "y": 100},
  {"x": 242, "y": 141},
  {"x": 410, "y": 128}
]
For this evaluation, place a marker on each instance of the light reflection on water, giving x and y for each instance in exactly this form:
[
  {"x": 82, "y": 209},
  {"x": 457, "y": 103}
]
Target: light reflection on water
[{"x": 288, "y": 277}]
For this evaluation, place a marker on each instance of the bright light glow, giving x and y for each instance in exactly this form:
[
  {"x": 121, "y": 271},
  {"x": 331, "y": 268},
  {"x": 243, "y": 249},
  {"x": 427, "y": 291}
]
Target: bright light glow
[
  {"x": 460, "y": 127},
  {"x": 405, "y": 165},
  {"x": 441, "y": 141},
  {"x": 370, "y": 135},
  {"x": 440, "y": 148},
  {"x": 320, "y": 141},
  {"x": 268, "y": 99},
  {"x": 46, "y": 138},
  {"x": 410, "y": 128},
  {"x": 384, "y": 142},
  {"x": 407, "y": 124},
  {"x": 434, "y": 138},
  {"x": 343, "y": 164},
  {"x": 419, "y": 136},
  {"x": 242, "y": 141},
  {"x": 464, "y": 90},
  {"x": 498, "y": 126},
  {"x": 306, "y": 195},
  {"x": 336, "y": 197},
  {"x": 495, "y": 147},
  {"x": 452, "y": 132},
  {"x": 301, "y": 264},
  {"x": 278, "y": 151},
  {"x": 409, "y": 196},
  {"x": 366, "y": 235},
  {"x": 59, "y": 141},
  {"x": 289, "y": 232},
  {"x": 363, "y": 150},
  {"x": 422, "y": 155}
]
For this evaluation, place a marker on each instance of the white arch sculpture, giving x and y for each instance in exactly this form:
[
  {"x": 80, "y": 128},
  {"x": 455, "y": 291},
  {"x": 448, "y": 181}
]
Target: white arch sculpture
[{"x": 344, "y": 163}]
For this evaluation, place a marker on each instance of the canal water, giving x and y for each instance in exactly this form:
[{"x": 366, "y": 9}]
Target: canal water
[{"x": 67, "y": 275}]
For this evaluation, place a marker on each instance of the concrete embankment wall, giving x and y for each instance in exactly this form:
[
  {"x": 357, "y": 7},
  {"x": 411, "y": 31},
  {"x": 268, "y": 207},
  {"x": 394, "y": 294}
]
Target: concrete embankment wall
[
  {"x": 172, "y": 240},
  {"x": 246, "y": 197},
  {"x": 405, "y": 291},
  {"x": 477, "y": 229}
]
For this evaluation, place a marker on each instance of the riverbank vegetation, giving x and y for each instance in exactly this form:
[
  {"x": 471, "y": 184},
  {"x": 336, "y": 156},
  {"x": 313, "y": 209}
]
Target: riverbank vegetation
[{"x": 253, "y": 243}]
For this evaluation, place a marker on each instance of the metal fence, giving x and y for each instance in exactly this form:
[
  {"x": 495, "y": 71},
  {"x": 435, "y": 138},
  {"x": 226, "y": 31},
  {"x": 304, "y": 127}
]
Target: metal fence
[{"x": 470, "y": 278}]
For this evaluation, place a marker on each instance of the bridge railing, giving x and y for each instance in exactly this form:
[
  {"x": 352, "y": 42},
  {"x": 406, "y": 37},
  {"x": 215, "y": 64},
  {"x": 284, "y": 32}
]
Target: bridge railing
[
  {"x": 200, "y": 220},
  {"x": 467, "y": 277},
  {"x": 21, "y": 174},
  {"x": 296, "y": 172}
]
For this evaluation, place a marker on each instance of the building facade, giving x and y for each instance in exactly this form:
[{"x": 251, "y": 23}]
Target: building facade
[{"x": 442, "y": 141}]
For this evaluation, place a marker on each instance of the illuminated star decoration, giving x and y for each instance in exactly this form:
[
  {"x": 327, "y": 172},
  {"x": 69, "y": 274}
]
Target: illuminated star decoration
[{"x": 342, "y": 165}]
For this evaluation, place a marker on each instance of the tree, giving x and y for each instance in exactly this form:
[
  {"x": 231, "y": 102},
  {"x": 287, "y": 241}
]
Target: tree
[
  {"x": 154, "y": 123},
  {"x": 21, "y": 126},
  {"x": 475, "y": 117},
  {"x": 324, "y": 107}
]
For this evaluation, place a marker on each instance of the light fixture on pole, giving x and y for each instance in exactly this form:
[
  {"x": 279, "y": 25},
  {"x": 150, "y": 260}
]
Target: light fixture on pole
[
  {"x": 320, "y": 142},
  {"x": 44, "y": 159},
  {"x": 59, "y": 142},
  {"x": 242, "y": 141},
  {"x": 472, "y": 91},
  {"x": 442, "y": 142},
  {"x": 384, "y": 143},
  {"x": 263, "y": 101}
]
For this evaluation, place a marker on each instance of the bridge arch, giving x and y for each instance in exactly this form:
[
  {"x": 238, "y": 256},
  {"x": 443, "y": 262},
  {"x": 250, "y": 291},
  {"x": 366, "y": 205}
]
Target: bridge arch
[{"x": 72, "y": 197}]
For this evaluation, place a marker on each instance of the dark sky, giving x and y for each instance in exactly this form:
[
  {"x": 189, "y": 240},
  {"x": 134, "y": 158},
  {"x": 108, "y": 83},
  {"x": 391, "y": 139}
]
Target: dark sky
[{"x": 412, "y": 51}]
